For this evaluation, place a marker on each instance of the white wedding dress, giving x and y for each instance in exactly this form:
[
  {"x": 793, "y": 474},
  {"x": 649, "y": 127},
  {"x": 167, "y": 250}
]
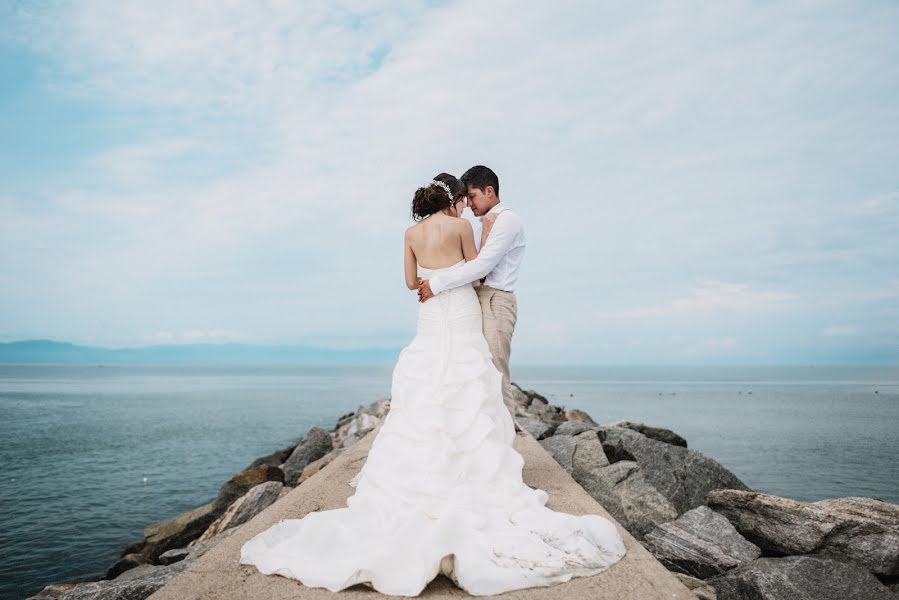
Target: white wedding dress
[{"x": 441, "y": 490}]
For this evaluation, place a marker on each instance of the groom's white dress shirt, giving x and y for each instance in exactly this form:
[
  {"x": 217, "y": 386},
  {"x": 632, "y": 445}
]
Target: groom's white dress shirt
[{"x": 499, "y": 259}]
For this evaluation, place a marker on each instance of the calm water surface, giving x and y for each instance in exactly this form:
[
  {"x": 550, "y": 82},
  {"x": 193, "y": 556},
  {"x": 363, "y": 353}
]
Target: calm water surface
[{"x": 90, "y": 455}]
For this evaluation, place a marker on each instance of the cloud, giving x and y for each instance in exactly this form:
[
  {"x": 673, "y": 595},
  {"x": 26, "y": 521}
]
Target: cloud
[
  {"x": 724, "y": 343},
  {"x": 141, "y": 163},
  {"x": 840, "y": 331},
  {"x": 669, "y": 161},
  {"x": 710, "y": 297}
]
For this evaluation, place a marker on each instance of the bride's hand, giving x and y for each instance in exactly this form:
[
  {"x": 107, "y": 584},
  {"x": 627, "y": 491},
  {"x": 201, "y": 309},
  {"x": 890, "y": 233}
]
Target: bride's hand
[
  {"x": 424, "y": 291},
  {"x": 486, "y": 227}
]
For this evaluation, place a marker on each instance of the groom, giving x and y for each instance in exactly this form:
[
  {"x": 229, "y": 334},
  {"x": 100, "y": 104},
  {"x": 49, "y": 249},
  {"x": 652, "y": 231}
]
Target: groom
[{"x": 499, "y": 260}]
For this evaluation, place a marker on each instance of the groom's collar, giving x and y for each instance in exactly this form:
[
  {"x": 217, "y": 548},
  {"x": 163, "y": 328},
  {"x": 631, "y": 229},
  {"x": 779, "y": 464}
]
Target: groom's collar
[{"x": 498, "y": 208}]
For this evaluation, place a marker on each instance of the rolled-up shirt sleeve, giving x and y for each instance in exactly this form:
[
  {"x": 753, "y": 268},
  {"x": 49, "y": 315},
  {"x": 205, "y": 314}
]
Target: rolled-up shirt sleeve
[{"x": 498, "y": 244}]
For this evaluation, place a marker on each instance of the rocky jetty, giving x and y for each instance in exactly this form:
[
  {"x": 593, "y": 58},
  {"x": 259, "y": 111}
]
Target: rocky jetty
[{"x": 722, "y": 539}]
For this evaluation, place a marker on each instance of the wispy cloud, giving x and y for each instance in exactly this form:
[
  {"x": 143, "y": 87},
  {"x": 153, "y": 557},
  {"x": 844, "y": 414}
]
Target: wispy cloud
[
  {"x": 670, "y": 162},
  {"x": 710, "y": 297},
  {"x": 840, "y": 331}
]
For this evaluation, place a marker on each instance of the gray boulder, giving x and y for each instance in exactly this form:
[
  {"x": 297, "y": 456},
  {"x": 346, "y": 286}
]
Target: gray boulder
[
  {"x": 275, "y": 458},
  {"x": 528, "y": 397},
  {"x": 682, "y": 475},
  {"x": 243, "y": 482},
  {"x": 177, "y": 531},
  {"x": 573, "y": 428},
  {"x": 315, "y": 444},
  {"x": 182, "y": 529},
  {"x": 561, "y": 448},
  {"x": 548, "y": 413},
  {"x": 585, "y": 445},
  {"x": 654, "y": 433},
  {"x": 700, "y": 588},
  {"x": 243, "y": 509},
  {"x": 170, "y": 557},
  {"x": 579, "y": 416},
  {"x": 858, "y": 529},
  {"x": 589, "y": 458},
  {"x": 799, "y": 578},
  {"x": 135, "y": 584},
  {"x": 619, "y": 487},
  {"x": 536, "y": 427},
  {"x": 629, "y": 498},
  {"x": 701, "y": 543}
]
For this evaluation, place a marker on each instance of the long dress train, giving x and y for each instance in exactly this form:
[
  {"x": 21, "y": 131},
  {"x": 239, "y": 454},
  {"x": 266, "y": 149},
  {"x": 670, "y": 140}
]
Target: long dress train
[{"x": 441, "y": 489}]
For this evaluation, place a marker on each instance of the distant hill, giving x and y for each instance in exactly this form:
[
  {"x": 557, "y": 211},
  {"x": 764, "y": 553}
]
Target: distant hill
[{"x": 50, "y": 351}]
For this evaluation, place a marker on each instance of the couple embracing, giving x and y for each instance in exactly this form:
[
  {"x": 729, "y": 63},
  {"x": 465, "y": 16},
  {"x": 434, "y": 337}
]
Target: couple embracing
[
  {"x": 493, "y": 263},
  {"x": 441, "y": 490}
]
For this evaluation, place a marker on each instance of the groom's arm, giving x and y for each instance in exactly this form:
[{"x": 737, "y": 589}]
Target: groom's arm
[{"x": 502, "y": 236}]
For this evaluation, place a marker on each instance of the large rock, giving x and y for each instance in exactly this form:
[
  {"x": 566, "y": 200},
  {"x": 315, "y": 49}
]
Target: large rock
[
  {"x": 538, "y": 407},
  {"x": 589, "y": 458},
  {"x": 275, "y": 459},
  {"x": 537, "y": 428},
  {"x": 701, "y": 543},
  {"x": 653, "y": 433},
  {"x": 585, "y": 444},
  {"x": 579, "y": 416},
  {"x": 561, "y": 448},
  {"x": 700, "y": 588},
  {"x": 379, "y": 408},
  {"x": 243, "y": 482},
  {"x": 126, "y": 563},
  {"x": 519, "y": 400},
  {"x": 243, "y": 509},
  {"x": 622, "y": 490},
  {"x": 527, "y": 397},
  {"x": 177, "y": 531},
  {"x": 170, "y": 557},
  {"x": 863, "y": 530},
  {"x": 317, "y": 465},
  {"x": 352, "y": 427},
  {"x": 799, "y": 578},
  {"x": 135, "y": 584},
  {"x": 682, "y": 475},
  {"x": 619, "y": 487},
  {"x": 315, "y": 444},
  {"x": 573, "y": 428},
  {"x": 188, "y": 526},
  {"x": 357, "y": 429}
]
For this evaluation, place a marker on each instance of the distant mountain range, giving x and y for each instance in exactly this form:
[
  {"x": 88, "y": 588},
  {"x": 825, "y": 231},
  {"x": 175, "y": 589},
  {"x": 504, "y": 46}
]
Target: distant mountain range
[{"x": 50, "y": 351}]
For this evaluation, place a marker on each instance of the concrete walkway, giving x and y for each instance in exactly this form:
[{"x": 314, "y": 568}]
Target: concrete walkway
[{"x": 218, "y": 575}]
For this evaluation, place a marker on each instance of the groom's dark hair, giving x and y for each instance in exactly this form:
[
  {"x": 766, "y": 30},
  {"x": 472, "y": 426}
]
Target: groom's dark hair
[{"x": 480, "y": 177}]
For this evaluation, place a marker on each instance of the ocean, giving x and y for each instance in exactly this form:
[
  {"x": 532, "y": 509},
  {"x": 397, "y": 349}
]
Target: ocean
[{"x": 91, "y": 454}]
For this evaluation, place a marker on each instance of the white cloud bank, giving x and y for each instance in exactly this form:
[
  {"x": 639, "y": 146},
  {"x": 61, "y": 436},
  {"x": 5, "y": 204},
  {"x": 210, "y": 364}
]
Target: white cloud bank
[{"x": 682, "y": 169}]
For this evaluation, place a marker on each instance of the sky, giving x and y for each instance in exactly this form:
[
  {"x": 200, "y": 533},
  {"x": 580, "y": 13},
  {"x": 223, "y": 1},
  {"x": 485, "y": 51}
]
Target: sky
[{"x": 700, "y": 183}]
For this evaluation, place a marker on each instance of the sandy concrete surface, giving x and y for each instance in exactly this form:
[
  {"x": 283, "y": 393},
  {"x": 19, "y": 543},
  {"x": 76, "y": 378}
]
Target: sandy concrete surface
[{"x": 219, "y": 575}]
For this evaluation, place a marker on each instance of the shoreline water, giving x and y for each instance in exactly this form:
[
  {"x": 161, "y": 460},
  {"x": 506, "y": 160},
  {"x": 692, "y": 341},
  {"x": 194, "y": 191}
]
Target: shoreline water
[
  {"x": 647, "y": 504},
  {"x": 580, "y": 397}
]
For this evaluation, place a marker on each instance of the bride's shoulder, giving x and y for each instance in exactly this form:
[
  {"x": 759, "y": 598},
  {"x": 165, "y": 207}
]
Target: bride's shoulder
[
  {"x": 462, "y": 223},
  {"x": 411, "y": 229}
]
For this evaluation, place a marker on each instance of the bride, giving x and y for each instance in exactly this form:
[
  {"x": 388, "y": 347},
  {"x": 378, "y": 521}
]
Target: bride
[{"x": 441, "y": 490}]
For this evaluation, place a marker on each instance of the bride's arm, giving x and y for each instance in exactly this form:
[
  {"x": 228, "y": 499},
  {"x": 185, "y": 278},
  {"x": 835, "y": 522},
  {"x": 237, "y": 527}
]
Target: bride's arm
[
  {"x": 489, "y": 220},
  {"x": 410, "y": 267},
  {"x": 469, "y": 251}
]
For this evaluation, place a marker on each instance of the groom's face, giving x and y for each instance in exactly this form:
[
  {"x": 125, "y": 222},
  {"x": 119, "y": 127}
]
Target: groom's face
[{"x": 481, "y": 201}]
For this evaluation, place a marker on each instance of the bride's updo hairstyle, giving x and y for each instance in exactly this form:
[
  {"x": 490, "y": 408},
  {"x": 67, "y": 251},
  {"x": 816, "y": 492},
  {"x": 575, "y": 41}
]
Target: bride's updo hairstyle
[{"x": 434, "y": 198}]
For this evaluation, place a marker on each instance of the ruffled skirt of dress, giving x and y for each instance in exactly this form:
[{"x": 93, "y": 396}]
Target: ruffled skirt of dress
[{"x": 441, "y": 490}]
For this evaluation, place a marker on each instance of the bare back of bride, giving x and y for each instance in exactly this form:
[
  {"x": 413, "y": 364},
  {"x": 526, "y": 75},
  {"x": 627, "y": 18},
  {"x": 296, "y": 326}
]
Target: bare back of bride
[{"x": 441, "y": 490}]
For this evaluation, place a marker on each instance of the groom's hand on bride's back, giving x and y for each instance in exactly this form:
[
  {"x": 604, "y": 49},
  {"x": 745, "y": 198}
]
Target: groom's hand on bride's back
[{"x": 424, "y": 290}]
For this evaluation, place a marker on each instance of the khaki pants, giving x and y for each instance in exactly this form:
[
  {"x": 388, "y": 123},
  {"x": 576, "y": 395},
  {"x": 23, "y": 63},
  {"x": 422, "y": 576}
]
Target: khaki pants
[{"x": 500, "y": 312}]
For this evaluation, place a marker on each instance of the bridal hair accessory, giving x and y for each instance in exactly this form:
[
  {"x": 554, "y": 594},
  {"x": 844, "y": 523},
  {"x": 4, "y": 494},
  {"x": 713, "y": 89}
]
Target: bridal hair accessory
[{"x": 445, "y": 188}]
